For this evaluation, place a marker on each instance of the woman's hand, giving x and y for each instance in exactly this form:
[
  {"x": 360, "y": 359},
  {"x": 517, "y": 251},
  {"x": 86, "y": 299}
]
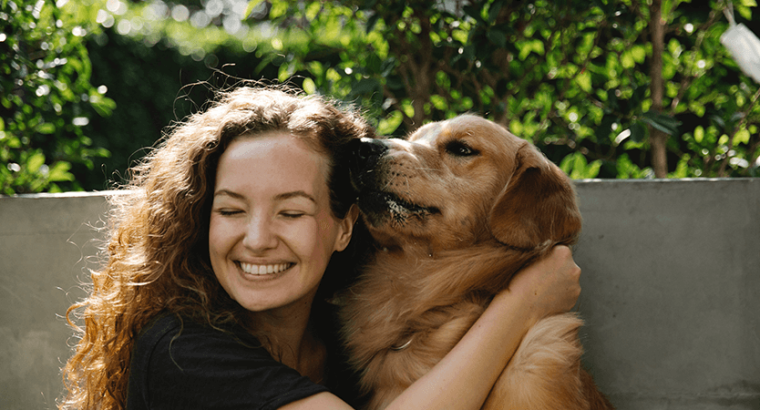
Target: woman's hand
[{"x": 550, "y": 286}]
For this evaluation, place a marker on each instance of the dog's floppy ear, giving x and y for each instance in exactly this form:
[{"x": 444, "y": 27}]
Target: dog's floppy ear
[{"x": 537, "y": 204}]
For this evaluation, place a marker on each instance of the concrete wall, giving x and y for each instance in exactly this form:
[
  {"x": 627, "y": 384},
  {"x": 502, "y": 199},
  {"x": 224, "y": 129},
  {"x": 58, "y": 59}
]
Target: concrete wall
[
  {"x": 45, "y": 243},
  {"x": 671, "y": 285}
]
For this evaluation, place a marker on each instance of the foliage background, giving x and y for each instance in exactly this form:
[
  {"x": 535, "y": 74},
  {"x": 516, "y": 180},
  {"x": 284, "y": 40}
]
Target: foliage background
[{"x": 87, "y": 85}]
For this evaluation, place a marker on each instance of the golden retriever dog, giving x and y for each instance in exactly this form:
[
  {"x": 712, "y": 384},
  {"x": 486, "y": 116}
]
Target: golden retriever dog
[{"x": 456, "y": 210}]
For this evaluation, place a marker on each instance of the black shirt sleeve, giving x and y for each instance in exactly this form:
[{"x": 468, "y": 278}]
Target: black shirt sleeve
[{"x": 182, "y": 365}]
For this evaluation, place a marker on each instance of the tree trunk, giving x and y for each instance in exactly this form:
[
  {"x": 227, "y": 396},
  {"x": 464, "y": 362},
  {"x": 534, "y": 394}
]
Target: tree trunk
[{"x": 657, "y": 138}]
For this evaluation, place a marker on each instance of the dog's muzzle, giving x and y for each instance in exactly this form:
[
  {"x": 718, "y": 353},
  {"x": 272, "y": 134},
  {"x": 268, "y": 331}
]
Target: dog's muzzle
[{"x": 363, "y": 156}]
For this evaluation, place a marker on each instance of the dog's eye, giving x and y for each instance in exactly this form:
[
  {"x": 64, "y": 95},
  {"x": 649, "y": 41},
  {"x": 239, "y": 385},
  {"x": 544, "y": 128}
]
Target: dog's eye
[{"x": 460, "y": 149}]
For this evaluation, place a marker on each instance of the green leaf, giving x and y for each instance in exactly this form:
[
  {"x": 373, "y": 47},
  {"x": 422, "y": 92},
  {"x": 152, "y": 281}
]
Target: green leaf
[
  {"x": 627, "y": 169},
  {"x": 626, "y": 59},
  {"x": 530, "y": 46},
  {"x": 46, "y": 128},
  {"x": 744, "y": 11},
  {"x": 284, "y": 72},
  {"x": 439, "y": 102},
  {"x": 493, "y": 11},
  {"x": 35, "y": 162},
  {"x": 374, "y": 18},
  {"x": 279, "y": 8},
  {"x": 576, "y": 166},
  {"x": 638, "y": 131},
  {"x": 390, "y": 123},
  {"x": 741, "y": 137},
  {"x": 699, "y": 134},
  {"x": 308, "y": 86},
  {"x": 662, "y": 122},
  {"x": 312, "y": 10},
  {"x": 639, "y": 53},
  {"x": 103, "y": 106},
  {"x": 584, "y": 81},
  {"x": 60, "y": 172}
]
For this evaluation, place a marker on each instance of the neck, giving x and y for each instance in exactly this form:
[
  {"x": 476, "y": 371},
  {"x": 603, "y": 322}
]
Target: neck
[{"x": 289, "y": 339}]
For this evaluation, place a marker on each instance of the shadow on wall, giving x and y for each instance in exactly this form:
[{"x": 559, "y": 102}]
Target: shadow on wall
[{"x": 671, "y": 278}]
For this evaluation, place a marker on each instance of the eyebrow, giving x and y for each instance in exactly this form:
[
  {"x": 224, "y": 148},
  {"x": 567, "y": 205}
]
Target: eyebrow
[
  {"x": 280, "y": 197},
  {"x": 295, "y": 194}
]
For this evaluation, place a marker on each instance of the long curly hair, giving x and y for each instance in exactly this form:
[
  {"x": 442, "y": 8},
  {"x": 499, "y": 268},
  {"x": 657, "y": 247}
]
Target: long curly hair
[{"x": 156, "y": 256}]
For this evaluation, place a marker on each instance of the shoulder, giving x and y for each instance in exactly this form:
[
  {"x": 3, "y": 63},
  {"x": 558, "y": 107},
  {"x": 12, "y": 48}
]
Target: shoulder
[
  {"x": 171, "y": 343},
  {"x": 177, "y": 362}
]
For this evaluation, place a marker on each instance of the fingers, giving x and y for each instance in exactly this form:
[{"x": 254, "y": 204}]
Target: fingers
[
  {"x": 568, "y": 271},
  {"x": 551, "y": 285}
]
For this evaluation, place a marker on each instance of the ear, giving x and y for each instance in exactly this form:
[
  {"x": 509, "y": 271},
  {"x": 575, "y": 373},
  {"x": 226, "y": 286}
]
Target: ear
[
  {"x": 537, "y": 205},
  {"x": 346, "y": 228}
]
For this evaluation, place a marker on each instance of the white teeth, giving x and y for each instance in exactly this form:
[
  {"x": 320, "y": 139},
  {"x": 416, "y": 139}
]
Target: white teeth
[{"x": 263, "y": 269}]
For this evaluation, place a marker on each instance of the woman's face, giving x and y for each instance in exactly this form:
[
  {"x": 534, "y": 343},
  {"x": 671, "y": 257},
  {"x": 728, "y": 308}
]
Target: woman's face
[{"x": 271, "y": 231}]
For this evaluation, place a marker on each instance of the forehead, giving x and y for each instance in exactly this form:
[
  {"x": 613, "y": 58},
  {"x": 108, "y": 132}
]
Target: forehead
[{"x": 272, "y": 160}]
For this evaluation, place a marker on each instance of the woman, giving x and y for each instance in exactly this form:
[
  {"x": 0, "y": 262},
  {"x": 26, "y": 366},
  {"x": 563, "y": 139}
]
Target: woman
[{"x": 217, "y": 268}]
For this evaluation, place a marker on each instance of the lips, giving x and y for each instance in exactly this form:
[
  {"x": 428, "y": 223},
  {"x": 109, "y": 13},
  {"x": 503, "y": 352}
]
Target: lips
[{"x": 264, "y": 269}]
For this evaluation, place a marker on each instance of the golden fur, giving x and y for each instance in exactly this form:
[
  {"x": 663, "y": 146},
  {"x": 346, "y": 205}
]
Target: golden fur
[{"x": 456, "y": 210}]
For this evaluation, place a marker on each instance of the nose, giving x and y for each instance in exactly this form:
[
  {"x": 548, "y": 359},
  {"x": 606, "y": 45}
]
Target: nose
[
  {"x": 363, "y": 156},
  {"x": 260, "y": 235},
  {"x": 366, "y": 151}
]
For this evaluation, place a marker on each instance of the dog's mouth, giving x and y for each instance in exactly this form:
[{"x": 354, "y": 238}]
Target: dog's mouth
[{"x": 375, "y": 204}]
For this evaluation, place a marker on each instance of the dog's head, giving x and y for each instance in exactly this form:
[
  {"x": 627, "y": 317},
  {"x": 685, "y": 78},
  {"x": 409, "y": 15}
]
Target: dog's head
[{"x": 459, "y": 182}]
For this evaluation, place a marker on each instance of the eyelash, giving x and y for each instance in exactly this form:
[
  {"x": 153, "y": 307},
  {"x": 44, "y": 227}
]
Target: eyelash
[
  {"x": 289, "y": 215},
  {"x": 223, "y": 212}
]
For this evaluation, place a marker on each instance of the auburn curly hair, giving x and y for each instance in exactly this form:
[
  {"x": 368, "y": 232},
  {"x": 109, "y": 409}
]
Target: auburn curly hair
[{"x": 156, "y": 256}]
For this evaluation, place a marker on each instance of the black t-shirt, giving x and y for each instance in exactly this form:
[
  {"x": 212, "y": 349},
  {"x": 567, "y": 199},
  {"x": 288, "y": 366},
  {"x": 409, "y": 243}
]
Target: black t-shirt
[{"x": 183, "y": 365}]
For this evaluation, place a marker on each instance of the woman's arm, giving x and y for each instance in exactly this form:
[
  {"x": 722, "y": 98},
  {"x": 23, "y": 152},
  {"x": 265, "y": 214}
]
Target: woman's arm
[{"x": 465, "y": 376}]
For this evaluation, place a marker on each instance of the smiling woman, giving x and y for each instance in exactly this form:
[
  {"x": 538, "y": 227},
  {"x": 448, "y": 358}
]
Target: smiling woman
[{"x": 227, "y": 229}]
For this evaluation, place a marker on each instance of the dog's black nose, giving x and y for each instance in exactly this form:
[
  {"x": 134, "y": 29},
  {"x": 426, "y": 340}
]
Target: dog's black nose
[
  {"x": 366, "y": 150},
  {"x": 362, "y": 156},
  {"x": 364, "y": 153}
]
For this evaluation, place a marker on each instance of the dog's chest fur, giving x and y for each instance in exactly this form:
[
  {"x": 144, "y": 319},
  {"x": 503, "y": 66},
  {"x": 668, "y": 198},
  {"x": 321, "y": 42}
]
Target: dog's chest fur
[{"x": 410, "y": 308}]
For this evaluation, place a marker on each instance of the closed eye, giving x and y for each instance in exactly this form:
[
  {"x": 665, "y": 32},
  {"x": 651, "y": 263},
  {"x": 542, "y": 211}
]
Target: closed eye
[
  {"x": 460, "y": 149},
  {"x": 292, "y": 215},
  {"x": 228, "y": 212}
]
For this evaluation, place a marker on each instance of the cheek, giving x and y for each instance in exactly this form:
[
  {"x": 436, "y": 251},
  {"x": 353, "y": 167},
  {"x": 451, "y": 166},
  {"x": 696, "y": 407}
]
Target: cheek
[
  {"x": 220, "y": 235},
  {"x": 324, "y": 239},
  {"x": 213, "y": 232}
]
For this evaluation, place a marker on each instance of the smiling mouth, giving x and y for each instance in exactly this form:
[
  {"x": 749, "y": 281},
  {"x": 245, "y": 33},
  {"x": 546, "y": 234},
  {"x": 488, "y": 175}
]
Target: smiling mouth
[{"x": 252, "y": 269}]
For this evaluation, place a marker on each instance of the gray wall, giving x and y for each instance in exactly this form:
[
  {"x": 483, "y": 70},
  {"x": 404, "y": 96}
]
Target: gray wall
[
  {"x": 671, "y": 279},
  {"x": 45, "y": 243}
]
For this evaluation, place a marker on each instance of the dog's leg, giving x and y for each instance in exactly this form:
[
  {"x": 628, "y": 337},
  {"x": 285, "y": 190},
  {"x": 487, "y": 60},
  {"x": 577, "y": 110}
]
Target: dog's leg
[{"x": 545, "y": 372}]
